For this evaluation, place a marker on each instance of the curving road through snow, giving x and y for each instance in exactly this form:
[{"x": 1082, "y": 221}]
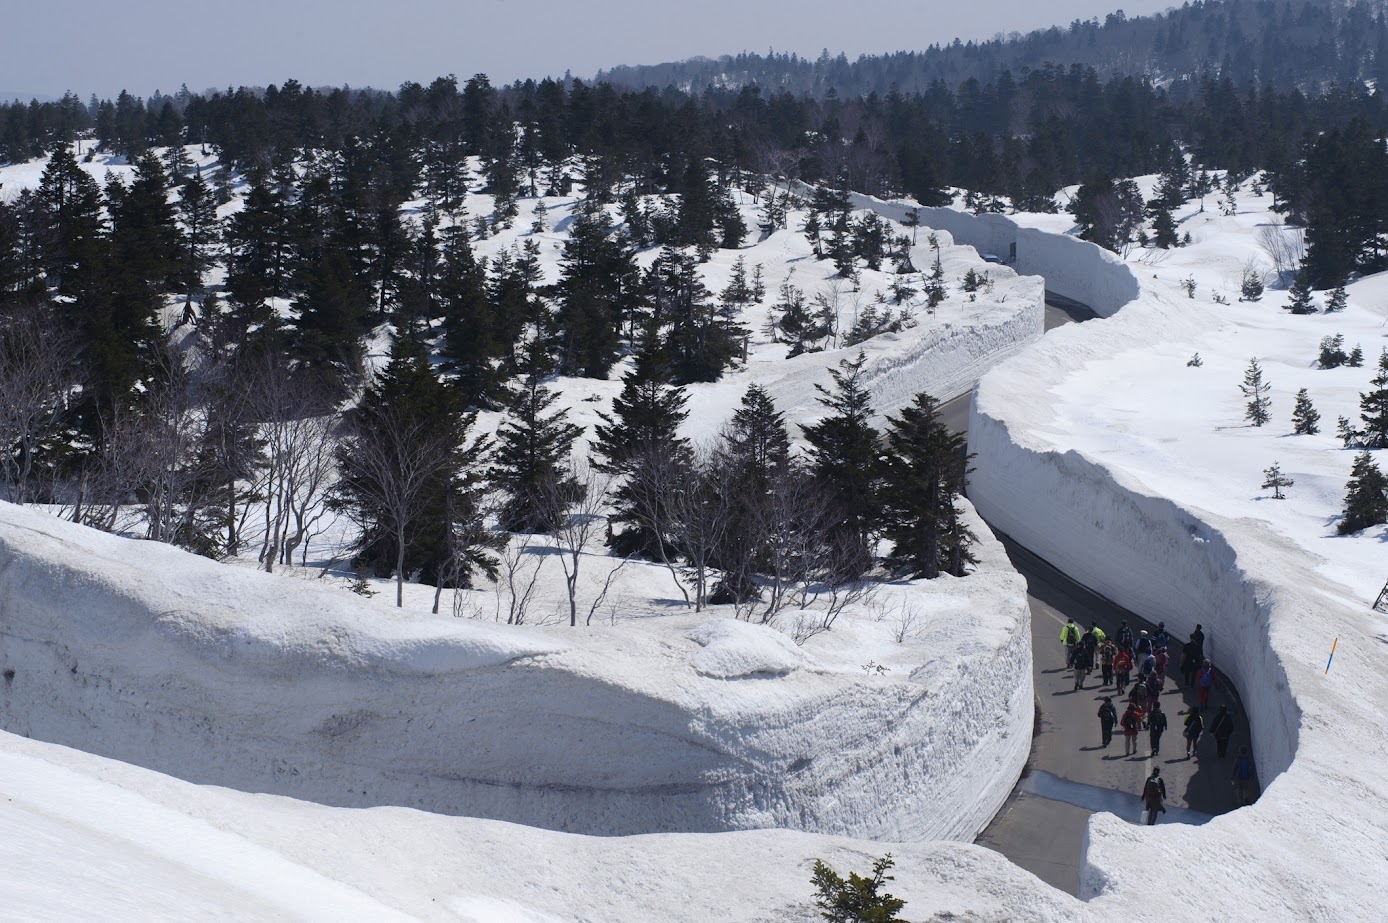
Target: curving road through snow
[{"x": 1069, "y": 776}]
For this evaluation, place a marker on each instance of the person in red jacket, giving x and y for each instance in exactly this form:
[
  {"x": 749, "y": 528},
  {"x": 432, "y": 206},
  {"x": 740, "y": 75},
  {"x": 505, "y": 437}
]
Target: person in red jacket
[
  {"x": 1204, "y": 683},
  {"x": 1122, "y": 669},
  {"x": 1132, "y": 723}
]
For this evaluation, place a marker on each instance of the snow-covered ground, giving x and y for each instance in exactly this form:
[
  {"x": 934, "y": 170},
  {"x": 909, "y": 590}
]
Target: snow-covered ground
[
  {"x": 1099, "y": 448},
  {"x": 1102, "y": 450}
]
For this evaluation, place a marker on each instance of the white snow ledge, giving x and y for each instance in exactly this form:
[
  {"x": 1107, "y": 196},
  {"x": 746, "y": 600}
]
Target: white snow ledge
[{"x": 221, "y": 675}]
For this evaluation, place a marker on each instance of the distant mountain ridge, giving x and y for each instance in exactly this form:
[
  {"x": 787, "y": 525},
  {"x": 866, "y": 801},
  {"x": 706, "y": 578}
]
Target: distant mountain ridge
[{"x": 1307, "y": 44}]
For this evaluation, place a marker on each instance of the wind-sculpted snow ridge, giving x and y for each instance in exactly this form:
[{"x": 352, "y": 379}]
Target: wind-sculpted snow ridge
[
  {"x": 226, "y": 676},
  {"x": 1313, "y": 842}
]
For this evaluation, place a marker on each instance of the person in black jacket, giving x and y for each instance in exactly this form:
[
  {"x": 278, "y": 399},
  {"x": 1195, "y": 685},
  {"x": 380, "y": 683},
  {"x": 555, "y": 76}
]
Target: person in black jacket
[
  {"x": 1195, "y": 726},
  {"x": 1154, "y": 796},
  {"x": 1156, "y": 724},
  {"x": 1108, "y": 717},
  {"x": 1192, "y": 653},
  {"x": 1222, "y": 727}
]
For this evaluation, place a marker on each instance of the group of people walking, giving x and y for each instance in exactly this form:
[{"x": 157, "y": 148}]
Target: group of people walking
[{"x": 1148, "y": 657}]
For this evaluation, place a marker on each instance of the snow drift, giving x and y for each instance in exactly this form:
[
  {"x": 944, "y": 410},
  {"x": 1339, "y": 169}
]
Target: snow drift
[{"x": 222, "y": 675}]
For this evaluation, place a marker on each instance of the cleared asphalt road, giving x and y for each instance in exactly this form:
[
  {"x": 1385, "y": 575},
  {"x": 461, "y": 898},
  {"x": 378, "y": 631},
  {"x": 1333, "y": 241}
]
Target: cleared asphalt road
[{"x": 1069, "y": 775}]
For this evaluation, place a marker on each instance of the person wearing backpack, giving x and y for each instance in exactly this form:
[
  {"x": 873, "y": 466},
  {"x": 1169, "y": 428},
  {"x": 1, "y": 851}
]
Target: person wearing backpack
[
  {"x": 1125, "y": 635},
  {"x": 1070, "y": 636},
  {"x": 1154, "y": 684},
  {"x": 1154, "y": 796},
  {"x": 1160, "y": 638},
  {"x": 1192, "y": 652},
  {"x": 1242, "y": 777},
  {"x": 1222, "y": 727},
  {"x": 1195, "y": 726},
  {"x": 1122, "y": 669},
  {"x": 1132, "y": 723},
  {"x": 1204, "y": 682},
  {"x": 1138, "y": 695},
  {"x": 1156, "y": 725},
  {"x": 1081, "y": 664},
  {"x": 1108, "y": 717},
  {"x": 1107, "y": 651}
]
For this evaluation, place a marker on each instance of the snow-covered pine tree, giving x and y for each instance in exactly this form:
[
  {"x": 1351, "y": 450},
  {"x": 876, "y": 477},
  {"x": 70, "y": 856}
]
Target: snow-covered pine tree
[
  {"x": 1366, "y": 497},
  {"x": 1300, "y": 301},
  {"x": 1373, "y": 407},
  {"x": 1275, "y": 479},
  {"x": 1258, "y": 409},
  {"x": 1305, "y": 417}
]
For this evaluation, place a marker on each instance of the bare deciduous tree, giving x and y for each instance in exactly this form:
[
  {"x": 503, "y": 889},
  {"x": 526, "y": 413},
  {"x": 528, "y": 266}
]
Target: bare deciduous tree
[{"x": 1285, "y": 246}]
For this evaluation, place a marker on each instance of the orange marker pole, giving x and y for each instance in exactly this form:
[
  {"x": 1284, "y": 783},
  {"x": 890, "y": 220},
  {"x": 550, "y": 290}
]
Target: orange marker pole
[{"x": 1332, "y": 655}]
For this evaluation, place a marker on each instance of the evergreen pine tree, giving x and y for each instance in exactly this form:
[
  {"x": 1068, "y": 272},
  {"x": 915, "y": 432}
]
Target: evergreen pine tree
[
  {"x": 1258, "y": 409},
  {"x": 923, "y": 474},
  {"x": 410, "y": 476},
  {"x": 640, "y": 443},
  {"x": 1300, "y": 301},
  {"x": 1332, "y": 354},
  {"x": 1355, "y": 359},
  {"x": 701, "y": 341},
  {"x": 1164, "y": 230},
  {"x": 532, "y": 454},
  {"x": 598, "y": 288},
  {"x": 1251, "y": 288},
  {"x": 470, "y": 346},
  {"x": 1305, "y": 418},
  {"x": 1366, "y": 497},
  {"x": 1373, "y": 407},
  {"x": 753, "y": 460},
  {"x": 1275, "y": 479},
  {"x": 198, "y": 210},
  {"x": 844, "y": 463},
  {"x": 1338, "y": 300}
]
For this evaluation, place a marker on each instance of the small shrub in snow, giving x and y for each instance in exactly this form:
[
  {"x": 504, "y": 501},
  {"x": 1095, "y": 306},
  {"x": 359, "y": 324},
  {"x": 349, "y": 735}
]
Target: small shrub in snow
[
  {"x": 857, "y": 899},
  {"x": 1195, "y": 362},
  {"x": 1217, "y": 298},
  {"x": 1338, "y": 300},
  {"x": 1275, "y": 479},
  {"x": 1332, "y": 352},
  {"x": 1188, "y": 283},
  {"x": 1251, "y": 289}
]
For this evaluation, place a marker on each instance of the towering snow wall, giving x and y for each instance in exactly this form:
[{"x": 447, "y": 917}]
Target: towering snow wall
[
  {"x": 1074, "y": 268},
  {"x": 220, "y": 675},
  {"x": 1320, "y": 745}
]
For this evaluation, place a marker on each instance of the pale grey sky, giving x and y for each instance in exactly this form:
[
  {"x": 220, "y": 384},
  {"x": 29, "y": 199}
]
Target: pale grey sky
[{"x": 48, "y": 46}]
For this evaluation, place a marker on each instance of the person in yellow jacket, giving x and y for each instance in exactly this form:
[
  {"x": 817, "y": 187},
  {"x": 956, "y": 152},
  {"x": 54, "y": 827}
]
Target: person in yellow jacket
[
  {"x": 1070, "y": 638},
  {"x": 1099, "y": 638}
]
